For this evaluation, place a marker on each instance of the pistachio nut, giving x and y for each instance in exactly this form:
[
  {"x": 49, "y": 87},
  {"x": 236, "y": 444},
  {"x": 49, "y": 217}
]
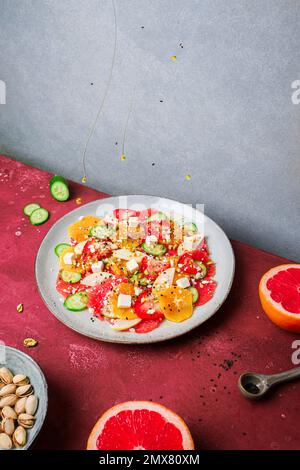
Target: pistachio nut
[
  {"x": 26, "y": 420},
  {"x": 8, "y": 426},
  {"x": 5, "y": 441},
  {"x": 31, "y": 404},
  {"x": 20, "y": 405},
  {"x": 8, "y": 412},
  {"x": 9, "y": 400},
  {"x": 5, "y": 375},
  {"x": 24, "y": 391},
  {"x": 19, "y": 437},
  {"x": 20, "y": 379},
  {"x": 8, "y": 390}
]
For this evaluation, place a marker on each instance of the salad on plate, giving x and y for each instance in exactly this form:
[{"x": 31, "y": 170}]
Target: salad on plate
[{"x": 134, "y": 269}]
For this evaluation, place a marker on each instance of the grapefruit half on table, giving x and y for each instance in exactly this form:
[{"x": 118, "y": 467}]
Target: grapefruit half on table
[
  {"x": 140, "y": 425},
  {"x": 279, "y": 292}
]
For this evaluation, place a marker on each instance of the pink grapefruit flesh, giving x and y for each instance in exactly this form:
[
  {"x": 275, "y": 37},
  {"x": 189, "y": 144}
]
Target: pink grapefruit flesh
[{"x": 140, "y": 425}]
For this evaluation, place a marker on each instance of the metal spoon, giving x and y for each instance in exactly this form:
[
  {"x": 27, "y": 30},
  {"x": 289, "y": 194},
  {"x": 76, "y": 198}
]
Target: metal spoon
[{"x": 254, "y": 386}]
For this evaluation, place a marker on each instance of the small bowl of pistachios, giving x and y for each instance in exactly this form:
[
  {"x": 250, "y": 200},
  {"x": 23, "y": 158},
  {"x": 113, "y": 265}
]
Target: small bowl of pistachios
[{"x": 23, "y": 399}]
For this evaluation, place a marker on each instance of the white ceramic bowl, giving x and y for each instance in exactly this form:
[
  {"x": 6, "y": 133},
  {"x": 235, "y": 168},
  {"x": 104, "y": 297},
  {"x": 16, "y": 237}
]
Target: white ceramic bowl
[
  {"x": 18, "y": 362},
  {"x": 47, "y": 269}
]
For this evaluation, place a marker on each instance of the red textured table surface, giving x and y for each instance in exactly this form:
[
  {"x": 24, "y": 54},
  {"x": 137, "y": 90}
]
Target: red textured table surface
[{"x": 195, "y": 375}]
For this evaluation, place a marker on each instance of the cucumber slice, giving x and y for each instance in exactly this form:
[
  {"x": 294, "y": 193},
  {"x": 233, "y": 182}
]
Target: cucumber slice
[
  {"x": 39, "y": 216},
  {"x": 70, "y": 276},
  {"x": 102, "y": 232},
  {"x": 190, "y": 227},
  {"x": 155, "y": 250},
  {"x": 59, "y": 188},
  {"x": 76, "y": 302},
  {"x": 157, "y": 217},
  {"x": 29, "y": 208},
  {"x": 60, "y": 248},
  {"x": 144, "y": 281},
  {"x": 195, "y": 293},
  {"x": 202, "y": 267}
]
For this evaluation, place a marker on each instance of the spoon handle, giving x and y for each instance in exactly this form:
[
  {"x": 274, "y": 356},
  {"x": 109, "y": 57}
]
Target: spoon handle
[{"x": 283, "y": 376}]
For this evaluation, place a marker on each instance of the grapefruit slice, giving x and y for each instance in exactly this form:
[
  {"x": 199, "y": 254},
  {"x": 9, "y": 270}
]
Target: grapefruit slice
[
  {"x": 140, "y": 425},
  {"x": 279, "y": 292}
]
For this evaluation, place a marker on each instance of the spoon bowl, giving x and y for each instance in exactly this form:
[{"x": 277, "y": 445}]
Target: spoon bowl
[{"x": 254, "y": 386}]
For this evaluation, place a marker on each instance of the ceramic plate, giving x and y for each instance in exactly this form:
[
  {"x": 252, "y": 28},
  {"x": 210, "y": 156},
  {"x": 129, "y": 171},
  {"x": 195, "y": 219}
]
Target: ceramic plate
[
  {"x": 47, "y": 269},
  {"x": 18, "y": 362}
]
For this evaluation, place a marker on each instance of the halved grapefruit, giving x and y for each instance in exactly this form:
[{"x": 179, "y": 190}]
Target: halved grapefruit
[
  {"x": 140, "y": 425},
  {"x": 279, "y": 292}
]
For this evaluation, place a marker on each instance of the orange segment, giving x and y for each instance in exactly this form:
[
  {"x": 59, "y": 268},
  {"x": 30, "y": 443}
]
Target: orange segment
[
  {"x": 66, "y": 266},
  {"x": 279, "y": 292},
  {"x": 176, "y": 303},
  {"x": 80, "y": 230},
  {"x": 119, "y": 312}
]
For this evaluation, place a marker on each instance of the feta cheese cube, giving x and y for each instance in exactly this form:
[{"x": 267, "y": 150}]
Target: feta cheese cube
[
  {"x": 151, "y": 240},
  {"x": 132, "y": 265},
  {"x": 111, "y": 220},
  {"x": 188, "y": 243},
  {"x": 68, "y": 258},
  {"x": 79, "y": 247},
  {"x": 124, "y": 301},
  {"x": 97, "y": 267},
  {"x": 133, "y": 222},
  {"x": 183, "y": 282},
  {"x": 137, "y": 291}
]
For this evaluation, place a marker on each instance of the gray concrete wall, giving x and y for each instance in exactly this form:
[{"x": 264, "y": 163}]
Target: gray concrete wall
[{"x": 222, "y": 112}]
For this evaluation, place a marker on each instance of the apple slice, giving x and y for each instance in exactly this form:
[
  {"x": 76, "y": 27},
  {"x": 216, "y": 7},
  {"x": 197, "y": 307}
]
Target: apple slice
[
  {"x": 121, "y": 325},
  {"x": 78, "y": 249},
  {"x": 93, "y": 279},
  {"x": 164, "y": 280},
  {"x": 123, "y": 254}
]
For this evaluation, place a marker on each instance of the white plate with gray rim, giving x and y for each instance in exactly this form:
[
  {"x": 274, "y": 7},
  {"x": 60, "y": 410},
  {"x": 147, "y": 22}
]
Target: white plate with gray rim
[
  {"x": 20, "y": 363},
  {"x": 46, "y": 270}
]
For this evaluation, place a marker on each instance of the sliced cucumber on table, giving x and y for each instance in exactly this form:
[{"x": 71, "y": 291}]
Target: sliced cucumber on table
[
  {"x": 29, "y": 208},
  {"x": 194, "y": 292},
  {"x": 60, "y": 248},
  {"x": 76, "y": 302},
  {"x": 70, "y": 276},
  {"x": 59, "y": 188},
  {"x": 39, "y": 216},
  {"x": 155, "y": 250}
]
